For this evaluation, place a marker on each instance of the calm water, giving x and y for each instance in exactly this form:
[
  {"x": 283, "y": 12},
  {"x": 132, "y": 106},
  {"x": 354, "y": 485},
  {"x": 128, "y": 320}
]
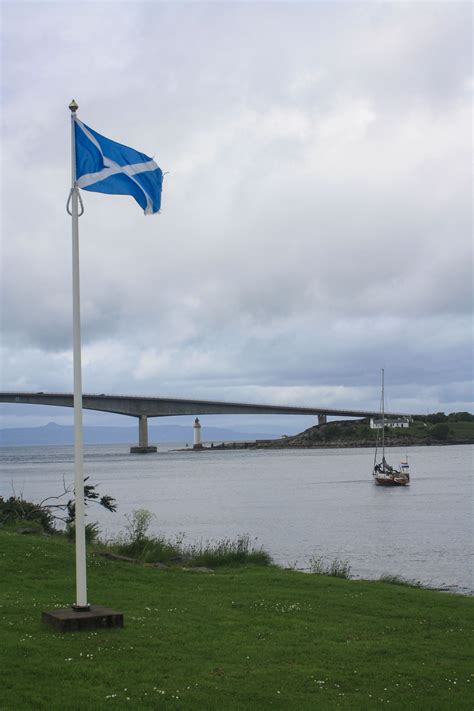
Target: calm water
[{"x": 295, "y": 503}]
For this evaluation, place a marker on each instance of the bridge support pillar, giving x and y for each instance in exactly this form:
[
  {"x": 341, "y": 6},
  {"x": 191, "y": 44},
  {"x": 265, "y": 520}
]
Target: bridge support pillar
[
  {"x": 322, "y": 419},
  {"x": 143, "y": 446}
]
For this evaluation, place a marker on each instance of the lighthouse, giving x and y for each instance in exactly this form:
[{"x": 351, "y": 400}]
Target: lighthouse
[{"x": 197, "y": 434}]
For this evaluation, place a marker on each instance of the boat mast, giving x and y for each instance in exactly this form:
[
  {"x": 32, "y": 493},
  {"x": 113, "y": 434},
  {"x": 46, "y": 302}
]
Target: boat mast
[{"x": 383, "y": 416}]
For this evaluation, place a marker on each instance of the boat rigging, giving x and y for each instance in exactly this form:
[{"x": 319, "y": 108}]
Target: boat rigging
[{"x": 383, "y": 473}]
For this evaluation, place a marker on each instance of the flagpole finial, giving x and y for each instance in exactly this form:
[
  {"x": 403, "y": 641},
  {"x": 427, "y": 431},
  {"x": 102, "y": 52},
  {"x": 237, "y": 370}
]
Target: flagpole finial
[{"x": 73, "y": 106}]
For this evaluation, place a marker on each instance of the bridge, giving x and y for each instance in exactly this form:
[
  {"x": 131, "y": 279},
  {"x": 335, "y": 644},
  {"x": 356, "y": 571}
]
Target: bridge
[{"x": 145, "y": 407}]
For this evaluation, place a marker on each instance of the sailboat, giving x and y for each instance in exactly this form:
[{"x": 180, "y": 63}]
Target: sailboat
[{"x": 383, "y": 473}]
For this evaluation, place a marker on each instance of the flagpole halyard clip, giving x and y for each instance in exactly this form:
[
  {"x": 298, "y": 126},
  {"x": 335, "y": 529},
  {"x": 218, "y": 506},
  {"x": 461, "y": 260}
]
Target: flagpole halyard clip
[{"x": 68, "y": 210}]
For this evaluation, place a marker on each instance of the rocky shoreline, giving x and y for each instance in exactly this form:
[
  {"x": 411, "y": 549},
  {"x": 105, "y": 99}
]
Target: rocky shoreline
[{"x": 282, "y": 444}]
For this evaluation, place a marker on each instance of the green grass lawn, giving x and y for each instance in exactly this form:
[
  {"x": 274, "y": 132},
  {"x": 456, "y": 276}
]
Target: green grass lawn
[{"x": 242, "y": 638}]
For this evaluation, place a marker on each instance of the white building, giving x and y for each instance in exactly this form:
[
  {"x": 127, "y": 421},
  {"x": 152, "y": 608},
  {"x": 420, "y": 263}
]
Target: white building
[{"x": 401, "y": 422}]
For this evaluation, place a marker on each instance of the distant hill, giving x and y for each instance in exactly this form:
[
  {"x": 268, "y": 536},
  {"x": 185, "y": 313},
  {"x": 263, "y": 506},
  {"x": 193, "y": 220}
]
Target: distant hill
[
  {"x": 53, "y": 434},
  {"x": 438, "y": 428},
  {"x": 456, "y": 428}
]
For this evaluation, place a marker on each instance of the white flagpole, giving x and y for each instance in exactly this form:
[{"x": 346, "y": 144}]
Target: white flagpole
[{"x": 80, "y": 529}]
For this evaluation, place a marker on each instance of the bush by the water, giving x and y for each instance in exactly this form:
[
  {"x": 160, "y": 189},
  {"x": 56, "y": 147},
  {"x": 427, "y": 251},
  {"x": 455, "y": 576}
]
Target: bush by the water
[
  {"x": 16, "y": 510},
  {"x": 136, "y": 542},
  {"x": 54, "y": 511}
]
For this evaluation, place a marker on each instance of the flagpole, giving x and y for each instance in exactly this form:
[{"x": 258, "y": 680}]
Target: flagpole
[{"x": 80, "y": 532}]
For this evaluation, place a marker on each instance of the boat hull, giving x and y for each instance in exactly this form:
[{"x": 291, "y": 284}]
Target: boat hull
[{"x": 388, "y": 481}]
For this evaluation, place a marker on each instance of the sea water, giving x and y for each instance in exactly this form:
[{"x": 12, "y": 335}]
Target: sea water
[{"x": 297, "y": 504}]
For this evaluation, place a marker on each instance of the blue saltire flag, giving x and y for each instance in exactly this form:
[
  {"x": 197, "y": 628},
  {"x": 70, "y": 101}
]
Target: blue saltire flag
[{"x": 105, "y": 166}]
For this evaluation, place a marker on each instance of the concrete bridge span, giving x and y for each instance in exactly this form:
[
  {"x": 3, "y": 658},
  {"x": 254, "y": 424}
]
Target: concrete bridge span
[{"x": 145, "y": 407}]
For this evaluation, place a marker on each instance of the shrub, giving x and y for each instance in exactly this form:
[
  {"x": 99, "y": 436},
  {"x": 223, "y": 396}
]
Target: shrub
[
  {"x": 138, "y": 523},
  {"x": 15, "y": 510},
  {"x": 92, "y": 532},
  {"x": 54, "y": 509},
  {"x": 135, "y": 540}
]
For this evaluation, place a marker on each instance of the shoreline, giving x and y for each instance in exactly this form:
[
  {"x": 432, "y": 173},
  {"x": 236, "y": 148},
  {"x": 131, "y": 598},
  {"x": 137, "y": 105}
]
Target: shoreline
[{"x": 276, "y": 444}]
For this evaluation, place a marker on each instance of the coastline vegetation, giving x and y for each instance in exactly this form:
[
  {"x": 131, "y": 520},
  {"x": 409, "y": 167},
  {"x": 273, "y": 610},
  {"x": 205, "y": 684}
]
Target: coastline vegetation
[
  {"x": 435, "y": 429},
  {"x": 400, "y": 580},
  {"x": 151, "y": 549},
  {"x": 246, "y": 637},
  {"x": 136, "y": 543},
  {"x": 55, "y": 510}
]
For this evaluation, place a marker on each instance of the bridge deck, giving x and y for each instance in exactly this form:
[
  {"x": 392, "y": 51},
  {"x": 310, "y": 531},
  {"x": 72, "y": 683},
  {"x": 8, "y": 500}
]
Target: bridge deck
[
  {"x": 138, "y": 406},
  {"x": 145, "y": 407}
]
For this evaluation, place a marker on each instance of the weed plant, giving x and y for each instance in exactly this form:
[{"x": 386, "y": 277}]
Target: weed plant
[{"x": 319, "y": 565}]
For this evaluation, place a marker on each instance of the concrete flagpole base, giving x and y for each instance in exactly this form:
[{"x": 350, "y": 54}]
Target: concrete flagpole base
[{"x": 70, "y": 620}]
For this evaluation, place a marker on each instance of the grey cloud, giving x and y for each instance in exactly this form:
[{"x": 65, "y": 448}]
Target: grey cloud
[{"x": 316, "y": 219}]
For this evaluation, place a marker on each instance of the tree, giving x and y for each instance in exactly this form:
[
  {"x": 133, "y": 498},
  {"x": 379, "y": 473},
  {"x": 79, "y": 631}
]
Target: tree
[
  {"x": 440, "y": 431},
  {"x": 436, "y": 417},
  {"x": 460, "y": 417},
  {"x": 90, "y": 494}
]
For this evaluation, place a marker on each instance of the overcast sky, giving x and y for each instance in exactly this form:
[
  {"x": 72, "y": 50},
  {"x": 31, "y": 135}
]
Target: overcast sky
[{"x": 316, "y": 220}]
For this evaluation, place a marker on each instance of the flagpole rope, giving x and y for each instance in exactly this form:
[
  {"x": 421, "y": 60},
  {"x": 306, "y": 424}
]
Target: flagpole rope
[{"x": 68, "y": 204}]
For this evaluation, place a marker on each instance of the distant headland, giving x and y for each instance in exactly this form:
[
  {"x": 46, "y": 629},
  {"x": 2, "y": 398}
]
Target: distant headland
[{"x": 422, "y": 430}]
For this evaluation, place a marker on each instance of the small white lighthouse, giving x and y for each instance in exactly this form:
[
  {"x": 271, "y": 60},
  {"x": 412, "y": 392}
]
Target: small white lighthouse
[{"x": 197, "y": 434}]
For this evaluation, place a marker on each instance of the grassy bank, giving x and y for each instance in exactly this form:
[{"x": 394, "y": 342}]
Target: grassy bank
[{"x": 242, "y": 638}]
